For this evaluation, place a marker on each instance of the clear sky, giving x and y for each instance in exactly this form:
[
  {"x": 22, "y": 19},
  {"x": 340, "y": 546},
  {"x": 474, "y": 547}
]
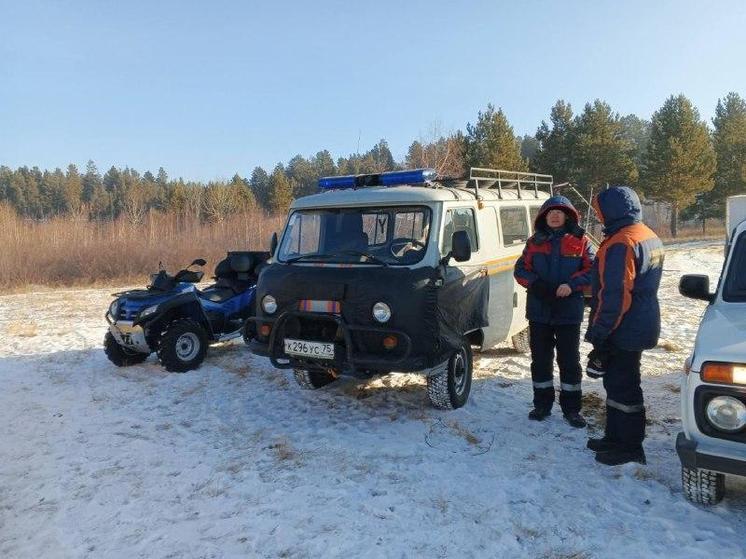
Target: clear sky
[{"x": 210, "y": 88}]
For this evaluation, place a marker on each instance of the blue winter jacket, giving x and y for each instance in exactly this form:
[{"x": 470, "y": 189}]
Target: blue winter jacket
[
  {"x": 556, "y": 257},
  {"x": 626, "y": 275}
]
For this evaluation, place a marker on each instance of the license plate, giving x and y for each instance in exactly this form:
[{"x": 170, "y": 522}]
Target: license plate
[{"x": 301, "y": 348}]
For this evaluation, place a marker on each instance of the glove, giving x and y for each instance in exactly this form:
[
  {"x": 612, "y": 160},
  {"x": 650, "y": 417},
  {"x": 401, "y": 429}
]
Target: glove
[
  {"x": 598, "y": 360},
  {"x": 542, "y": 289}
]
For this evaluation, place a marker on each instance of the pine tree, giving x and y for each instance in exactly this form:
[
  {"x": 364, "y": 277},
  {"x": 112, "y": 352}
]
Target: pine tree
[
  {"x": 491, "y": 143},
  {"x": 601, "y": 153},
  {"x": 280, "y": 190},
  {"x": 680, "y": 161},
  {"x": 260, "y": 186},
  {"x": 73, "y": 189},
  {"x": 729, "y": 141},
  {"x": 556, "y": 142},
  {"x": 91, "y": 182}
]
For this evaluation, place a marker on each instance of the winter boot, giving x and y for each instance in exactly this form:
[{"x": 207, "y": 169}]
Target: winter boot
[
  {"x": 575, "y": 420},
  {"x": 622, "y": 455},
  {"x": 603, "y": 444},
  {"x": 539, "y": 414}
]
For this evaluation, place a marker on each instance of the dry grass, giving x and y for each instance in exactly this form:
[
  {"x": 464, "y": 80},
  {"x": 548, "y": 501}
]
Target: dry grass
[
  {"x": 21, "y": 329},
  {"x": 66, "y": 251}
]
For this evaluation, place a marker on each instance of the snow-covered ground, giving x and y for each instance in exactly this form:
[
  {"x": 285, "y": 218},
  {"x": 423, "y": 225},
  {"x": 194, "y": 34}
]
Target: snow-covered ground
[{"x": 235, "y": 460}]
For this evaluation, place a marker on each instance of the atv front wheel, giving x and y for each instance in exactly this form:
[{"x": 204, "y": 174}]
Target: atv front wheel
[
  {"x": 120, "y": 355},
  {"x": 449, "y": 389},
  {"x": 703, "y": 487},
  {"x": 522, "y": 341},
  {"x": 182, "y": 346},
  {"x": 249, "y": 332},
  {"x": 311, "y": 380}
]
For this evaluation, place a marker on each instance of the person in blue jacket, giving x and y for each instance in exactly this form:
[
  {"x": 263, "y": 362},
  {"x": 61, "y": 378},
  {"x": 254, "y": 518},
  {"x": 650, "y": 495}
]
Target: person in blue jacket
[
  {"x": 624, "y": 320},
  {"x": 555, "y": 267}
]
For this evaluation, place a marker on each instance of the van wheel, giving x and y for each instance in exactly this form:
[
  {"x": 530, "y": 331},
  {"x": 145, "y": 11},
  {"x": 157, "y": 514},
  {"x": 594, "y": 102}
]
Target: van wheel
[
  {"x": 183, "y": 346},
  {"x": 311, "y": 380},
  {"x": 120, "y": 355},
  {"x": 703, "y": 487},
  {"x": 449, "y": 389},
  {"x": 522, "y": 341}
]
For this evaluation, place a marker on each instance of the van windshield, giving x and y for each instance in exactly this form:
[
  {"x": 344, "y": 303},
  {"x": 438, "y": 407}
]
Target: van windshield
[
  {"x": 734, "y": 290},
  {"x": 379, "y": 236}
]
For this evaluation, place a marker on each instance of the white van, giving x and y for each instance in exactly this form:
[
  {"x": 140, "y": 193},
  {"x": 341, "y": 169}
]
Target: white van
[
  {"x": 399, "y": 272},
  {"x": 713, "y": 388}
]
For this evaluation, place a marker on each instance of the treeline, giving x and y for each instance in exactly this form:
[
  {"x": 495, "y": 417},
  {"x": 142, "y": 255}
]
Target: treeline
[{"x": 675, "y": 158}]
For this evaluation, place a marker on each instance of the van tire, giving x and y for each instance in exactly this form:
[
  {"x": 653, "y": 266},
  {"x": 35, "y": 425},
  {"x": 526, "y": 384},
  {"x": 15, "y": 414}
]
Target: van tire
[
  {"x": 522, "y": 341},
  {"x": 449, "y": 389},
  {"x": 120, "y": 355},
  {"x": 311, "y": 380},
  {"x": 703, "y": 487},
  {"x": 182, "y": 346}
]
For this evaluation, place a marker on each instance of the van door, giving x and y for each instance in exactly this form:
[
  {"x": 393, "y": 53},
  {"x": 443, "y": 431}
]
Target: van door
[
  {"x": 515, "y": 231},
  {"x": 463, "y": 300},
  {"x": 500, "y": 264}
]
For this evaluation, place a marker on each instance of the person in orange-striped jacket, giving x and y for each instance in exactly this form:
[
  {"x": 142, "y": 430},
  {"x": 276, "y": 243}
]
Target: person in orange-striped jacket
[{"x": 624, "y": 320}]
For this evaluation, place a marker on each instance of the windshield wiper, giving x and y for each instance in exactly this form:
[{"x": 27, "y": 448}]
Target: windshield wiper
[
  {"x": 305, "y": 256},
  {"x": 367, "y": 255},
  {"x": 327, "y": 256}
]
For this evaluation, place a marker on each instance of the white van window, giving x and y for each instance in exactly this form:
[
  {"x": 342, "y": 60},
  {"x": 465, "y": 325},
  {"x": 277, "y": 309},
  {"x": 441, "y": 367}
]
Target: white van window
[
  {"x": 735, "y": 284},
  {"x": 533, "y": 211},
  {"x": 460, "y": 219},
  {"x": 514, "y": 225}
]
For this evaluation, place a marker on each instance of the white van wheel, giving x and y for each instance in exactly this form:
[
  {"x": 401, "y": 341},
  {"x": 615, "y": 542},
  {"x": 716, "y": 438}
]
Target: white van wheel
[
  {"x": 703, "y": 487},
  {"x": 522, "y": 341},
  {"x": 449, "y": 389}
]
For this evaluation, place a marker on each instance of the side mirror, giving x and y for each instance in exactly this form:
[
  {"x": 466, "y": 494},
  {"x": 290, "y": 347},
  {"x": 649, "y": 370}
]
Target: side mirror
[
  {"x": 273, "y": 244},
  {"x": 696, "y": 286},
  {"x": 199, "y": 262},
  {"x": 460, "y": 246}
]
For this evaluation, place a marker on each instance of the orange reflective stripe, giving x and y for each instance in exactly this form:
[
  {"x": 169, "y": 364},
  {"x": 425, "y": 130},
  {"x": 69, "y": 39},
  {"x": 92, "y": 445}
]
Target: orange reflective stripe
[{"x": 629, "y": 282}]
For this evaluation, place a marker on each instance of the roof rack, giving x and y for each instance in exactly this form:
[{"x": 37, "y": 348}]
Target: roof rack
[{"x": 499, "y": 178}]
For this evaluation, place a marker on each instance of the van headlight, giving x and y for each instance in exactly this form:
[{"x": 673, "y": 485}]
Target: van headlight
[
  {"x": 269, "y": 304},
  {"x": 381, "y": 312},
  {"x": 726, "y": 413}
]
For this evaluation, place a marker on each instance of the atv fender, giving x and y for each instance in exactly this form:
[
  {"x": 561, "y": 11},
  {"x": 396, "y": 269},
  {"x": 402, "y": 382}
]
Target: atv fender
[{"x": 186, "y": 305}]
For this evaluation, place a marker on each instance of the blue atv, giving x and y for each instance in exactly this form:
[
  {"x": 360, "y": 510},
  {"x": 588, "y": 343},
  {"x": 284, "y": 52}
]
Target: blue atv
[{"x": 178, "y": 321}]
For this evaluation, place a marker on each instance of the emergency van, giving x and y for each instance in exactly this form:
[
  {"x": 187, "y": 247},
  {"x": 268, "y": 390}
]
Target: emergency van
[{"x": 399, "y": 271}]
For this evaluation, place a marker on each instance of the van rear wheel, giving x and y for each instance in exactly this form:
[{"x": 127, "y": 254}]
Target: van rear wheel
[
  {"x": 311, "y": 380},
  {"x": 449, "y": 389},
  {"x": 703, "y": 487}
]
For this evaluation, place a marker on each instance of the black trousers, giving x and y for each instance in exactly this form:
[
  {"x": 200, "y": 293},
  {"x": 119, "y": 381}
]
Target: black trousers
[
  {"x": 625, "y": 412},
  {"x": 566, "y": 339}
]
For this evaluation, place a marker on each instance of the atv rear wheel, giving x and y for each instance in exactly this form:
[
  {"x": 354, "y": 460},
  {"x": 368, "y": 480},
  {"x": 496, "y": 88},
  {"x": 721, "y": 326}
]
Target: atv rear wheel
[
  {"x": 449, "y": 389},
  {"x": 182, "y": 346},
  {"x": 703, "y": 487},
  {"x": 522, "y": 341},
  {"x": 120, "y": 355},
  {"x": 311, "y": 380}
]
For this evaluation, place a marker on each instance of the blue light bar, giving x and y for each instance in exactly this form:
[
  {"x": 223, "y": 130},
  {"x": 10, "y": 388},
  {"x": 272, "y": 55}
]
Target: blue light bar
[
  {"x": 392, "y": 178},
  {"x": 346, "y": 181}
]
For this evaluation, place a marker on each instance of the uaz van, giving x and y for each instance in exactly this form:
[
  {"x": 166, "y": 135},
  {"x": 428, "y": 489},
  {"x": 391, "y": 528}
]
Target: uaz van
[{"x": 399, "y": 271}]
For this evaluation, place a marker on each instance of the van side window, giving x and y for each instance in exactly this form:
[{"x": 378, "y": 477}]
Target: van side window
[
  {"x": 460, "y": 219},
  {"x": 376, "y": 226},
  {"x": 533, "y": 211},
  {"x": 514, "y": 225}
]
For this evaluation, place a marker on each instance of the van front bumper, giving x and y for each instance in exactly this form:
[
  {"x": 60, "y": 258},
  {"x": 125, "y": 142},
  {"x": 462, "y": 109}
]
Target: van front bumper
[
  {"x": 347, "y": 359},
  {"x": 692, "y": 458}
]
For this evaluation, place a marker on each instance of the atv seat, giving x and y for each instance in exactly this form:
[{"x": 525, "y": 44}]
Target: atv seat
[{"x": 233, "y": 275}]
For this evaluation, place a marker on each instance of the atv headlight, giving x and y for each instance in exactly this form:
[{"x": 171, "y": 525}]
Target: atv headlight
[
  {"x": 726, "y": 413},
  {"x": 147, "y": 311},
  {"x": 269, "y": 304},
  {"x": 114, "y": 309},
  {"x": 381, "y": 312}
]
